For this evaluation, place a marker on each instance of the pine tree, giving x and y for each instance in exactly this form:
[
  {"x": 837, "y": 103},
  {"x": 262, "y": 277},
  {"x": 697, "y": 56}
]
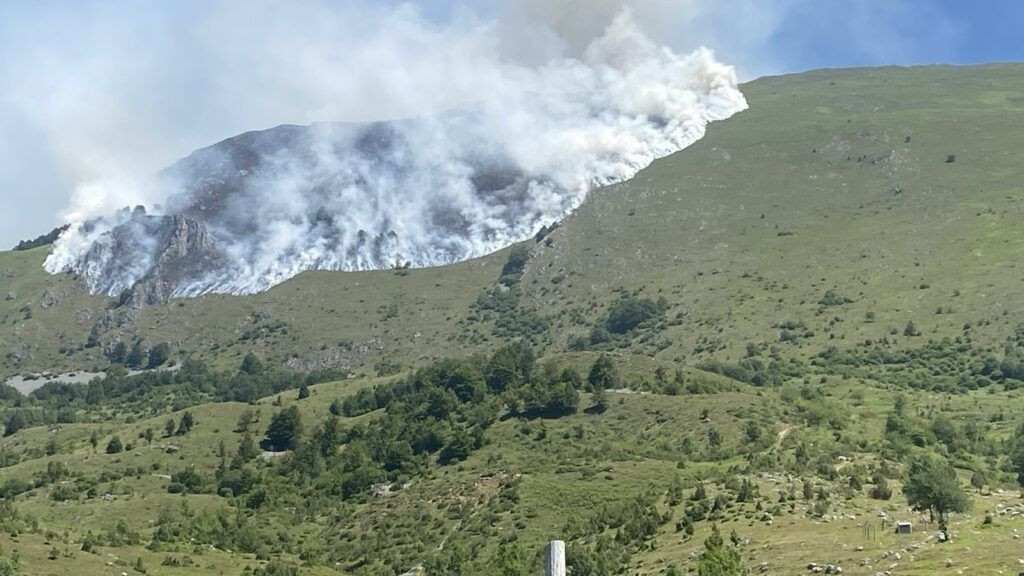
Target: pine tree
[
  {"x": 284, "y": 429},
  {"x": 700, "y": 493},
  {"x": 136, "y": 356},
  {"x": 16, "y": 421},
  {"x": 603, "y": 374},
  {"x": 328, "y": 436},
  {"x": 118, "y": 354},
  {"x": 187, "y": 422},
  {"x": 718, "y": 559},
  {"x": 600, "y": 401},
  {"x": 932, "y": 485},
  {"x": 246, "y": 451},
  {"x": 114, "y": 445},
  {"x": 911, "y": 330},
  {"x": 675, "y": 492},
  {"x": 566, "y": 400},
  {"x": 1017, "y": 454},
  {"x": 746, "y": 491},
  {"x": 881, "y": 491},
  {"x": 978, "y": 480},
  {"x": 251, "y": 364},
  {"x": 158, "y": 355},
  {"x": 244, "y": 421}
]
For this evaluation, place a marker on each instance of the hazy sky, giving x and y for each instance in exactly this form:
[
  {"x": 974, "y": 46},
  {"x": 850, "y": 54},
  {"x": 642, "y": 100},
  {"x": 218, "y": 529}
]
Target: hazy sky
[{"x": 107, "y": 89}]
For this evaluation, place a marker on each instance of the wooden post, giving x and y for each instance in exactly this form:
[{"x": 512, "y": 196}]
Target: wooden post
[{"x": 555, "y": 565}]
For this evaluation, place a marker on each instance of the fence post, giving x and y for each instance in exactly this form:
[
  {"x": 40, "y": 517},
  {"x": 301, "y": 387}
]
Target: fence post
[{"x": 555, "y": 561}]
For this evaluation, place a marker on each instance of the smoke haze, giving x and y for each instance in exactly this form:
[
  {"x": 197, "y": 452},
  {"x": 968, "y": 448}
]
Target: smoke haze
[{"x": 486, "y": 144}]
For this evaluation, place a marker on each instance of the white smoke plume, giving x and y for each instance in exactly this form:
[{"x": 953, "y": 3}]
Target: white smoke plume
[{"x": 492, "y": 150}]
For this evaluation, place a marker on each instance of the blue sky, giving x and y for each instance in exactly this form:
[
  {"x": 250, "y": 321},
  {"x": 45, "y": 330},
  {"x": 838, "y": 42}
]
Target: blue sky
[
  {"x": 833, "y": 33},
  {"x": 93, "y": 84},
  {"x": 779, "y": 36}
]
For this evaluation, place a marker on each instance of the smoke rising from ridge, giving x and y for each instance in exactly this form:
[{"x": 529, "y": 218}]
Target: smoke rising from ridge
[{"x": 491, "y": 150}]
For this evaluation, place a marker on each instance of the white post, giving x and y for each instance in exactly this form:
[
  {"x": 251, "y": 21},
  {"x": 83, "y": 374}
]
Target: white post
[{"x": 555, "y": 559}]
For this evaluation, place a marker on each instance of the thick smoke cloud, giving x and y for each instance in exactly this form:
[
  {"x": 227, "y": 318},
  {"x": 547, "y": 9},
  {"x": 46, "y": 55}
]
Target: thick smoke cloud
[{"x": 492, "y": 148}]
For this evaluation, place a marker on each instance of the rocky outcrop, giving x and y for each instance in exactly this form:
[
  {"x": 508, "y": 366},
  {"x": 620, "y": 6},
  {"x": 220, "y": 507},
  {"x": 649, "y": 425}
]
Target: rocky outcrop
[
  {"x": 346, "y": 355},
  {"x": 186, "y": 252},
  {"x": 143, "y": 259},
  {"x": 162, "y": 252}
]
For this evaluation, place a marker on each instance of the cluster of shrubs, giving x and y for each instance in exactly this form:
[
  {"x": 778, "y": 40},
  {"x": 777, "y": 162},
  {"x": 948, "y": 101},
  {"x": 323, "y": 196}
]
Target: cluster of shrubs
[
  {"x": 501, "y": 303},
  {"x": 437, "y": 416},
  {"x": 753, "y": 371},
  {"x": 139, "y": 356},
  {"x": 946, "y": 365},
  {"x": 626, "y": 317}
]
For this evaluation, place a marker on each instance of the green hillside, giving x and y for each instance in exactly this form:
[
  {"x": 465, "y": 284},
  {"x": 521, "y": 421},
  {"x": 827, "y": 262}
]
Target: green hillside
[
  {"x": 802, "y": 308},
  {"x": 831, "y": 180}
]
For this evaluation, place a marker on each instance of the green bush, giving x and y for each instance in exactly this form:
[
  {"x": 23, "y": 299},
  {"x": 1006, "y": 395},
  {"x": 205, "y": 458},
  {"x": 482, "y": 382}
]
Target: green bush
[
  {"x": 630, "y": 312},
  {"x": 513, "y": 269}
]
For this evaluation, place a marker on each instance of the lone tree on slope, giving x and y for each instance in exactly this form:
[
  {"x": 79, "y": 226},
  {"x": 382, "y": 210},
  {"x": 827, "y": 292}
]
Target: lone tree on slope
[{"x": 932, "y": 485}]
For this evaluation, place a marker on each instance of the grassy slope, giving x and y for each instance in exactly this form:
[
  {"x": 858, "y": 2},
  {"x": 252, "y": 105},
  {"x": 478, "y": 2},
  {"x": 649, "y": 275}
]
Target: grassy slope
[
  {"x": 822, "y": 156},
  {"x": 579, "y": 464},
  {"x": 819, "y": 155},
  {"x": 688, "y": 228},
  {"x": 319, "y": 309},
  {"x": 35, "y": 342},
  {"x": 622, "y": 452}
]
